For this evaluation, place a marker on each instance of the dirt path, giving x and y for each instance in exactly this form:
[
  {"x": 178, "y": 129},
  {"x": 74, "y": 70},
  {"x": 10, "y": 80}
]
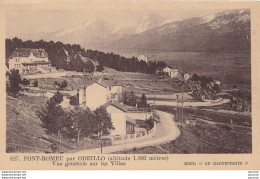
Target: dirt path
[{"x": 166, "y": 131}]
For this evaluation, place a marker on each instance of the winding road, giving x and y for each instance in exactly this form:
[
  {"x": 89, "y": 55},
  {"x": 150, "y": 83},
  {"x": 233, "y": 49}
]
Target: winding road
[{"x": 166, "y": 131}]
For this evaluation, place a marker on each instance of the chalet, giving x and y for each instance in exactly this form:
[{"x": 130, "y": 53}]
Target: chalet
[
  {"x": 171, "y": 72},
  {"x": 28, "y": 61},
  {"x": 142, "y": 58},
  {"x": 167, "y": 70},
  {"x": 174, "y": 73},
  {"x": 217, "y": 82},
  {"x": 186, "y": 76}
]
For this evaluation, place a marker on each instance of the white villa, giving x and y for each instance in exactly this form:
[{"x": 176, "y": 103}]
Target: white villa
[
  {"x": 28, "y": 61},
  {"x": 186, "y": 76},
  {"x": 108, "y": 93},
  {"x": 171, "y": 72},
  {"x": 142, "y": 58},
  {"x": 98, "y": 94}
]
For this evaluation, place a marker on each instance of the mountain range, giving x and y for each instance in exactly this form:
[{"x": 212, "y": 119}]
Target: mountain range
[{"x": 224, "y": 31}]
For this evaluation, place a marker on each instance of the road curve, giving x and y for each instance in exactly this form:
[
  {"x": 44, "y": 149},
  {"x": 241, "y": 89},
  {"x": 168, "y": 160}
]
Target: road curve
[{"x": 166, "y": 131}]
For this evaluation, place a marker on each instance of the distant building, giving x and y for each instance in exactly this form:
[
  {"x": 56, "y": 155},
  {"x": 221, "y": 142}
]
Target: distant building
[
  {"x": 174, "y": 73},
  {"x": 217, "y": 82},
  {"x": 28, "y": 61},
  {"x": 167, "y": 70},
  {"x": 142, "y": 58},
  {"x": 171, "y": 72},
  {"x": 186, "y": 76}
]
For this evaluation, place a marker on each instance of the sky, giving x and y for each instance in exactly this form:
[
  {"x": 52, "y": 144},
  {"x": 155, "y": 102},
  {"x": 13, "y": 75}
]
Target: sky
[{"x": 35, "y": 21}]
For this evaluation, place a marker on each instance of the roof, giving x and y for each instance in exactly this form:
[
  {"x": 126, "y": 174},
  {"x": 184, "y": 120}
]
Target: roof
[
  {"x": 118, "y": 106},
  {"x": 25, "y": 52},
  {"x": 140, "y": 121},
  {"x": 131, "y": 120},
  {"x": 36, "y": 63},
  {"x": 107, "y": 83},
  {"x": 173, "y": 70},
  {"x": 141, "y": 56}
]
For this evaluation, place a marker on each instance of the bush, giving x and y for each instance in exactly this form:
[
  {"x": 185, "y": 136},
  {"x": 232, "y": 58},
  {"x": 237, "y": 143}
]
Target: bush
[
  {"x": 100, "y": 68},
  {"x": 61, "y": 85},
  {"x": 56, "y": 83},
  {"x": 149, "y": 123},
  {"x": 64, "y": 84},
  {"x": 25, "y": 82},
  {"x": 7, "y": 88},
  {"x": 15, "y": 80},
  {"x": 35, "y": 83},
  {"x": 74, "y": 100}
]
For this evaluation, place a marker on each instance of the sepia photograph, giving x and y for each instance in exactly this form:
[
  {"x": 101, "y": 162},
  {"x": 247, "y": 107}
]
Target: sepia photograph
[{"x": 128, "y": 81}]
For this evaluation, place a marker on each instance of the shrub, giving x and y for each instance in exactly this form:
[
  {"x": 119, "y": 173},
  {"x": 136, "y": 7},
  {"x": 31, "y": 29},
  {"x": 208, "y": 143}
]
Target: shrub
[
  {"x": 25, "y": 82},
  {"x": 35, "y": 83},
  {"x": 15, "y": 80},
  {"x": 56, "y": 83},
  {"x": 74, "y": 100},
  {"x": 63, "y": 84}
]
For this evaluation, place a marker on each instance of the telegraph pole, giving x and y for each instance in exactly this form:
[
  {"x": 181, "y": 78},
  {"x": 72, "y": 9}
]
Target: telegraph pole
[
  {"x": 182, "y": 105},
  {"x": 100, "y": 141},
  {"x": 154, "y": 103},
  {"x": 46, "y": 86},
  {"x": 177, "y": 108}
]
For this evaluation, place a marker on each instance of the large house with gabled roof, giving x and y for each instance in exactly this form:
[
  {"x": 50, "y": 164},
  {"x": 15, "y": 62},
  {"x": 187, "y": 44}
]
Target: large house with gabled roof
[
  {"x": 29, "y": 61},
  {"x": 99, "y": 93}
]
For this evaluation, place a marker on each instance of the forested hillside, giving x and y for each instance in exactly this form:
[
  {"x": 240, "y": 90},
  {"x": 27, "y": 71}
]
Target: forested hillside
[{"x": 75, "y": 58}]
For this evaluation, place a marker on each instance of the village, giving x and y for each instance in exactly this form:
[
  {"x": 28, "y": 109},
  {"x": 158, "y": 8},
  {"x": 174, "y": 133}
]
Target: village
[{"x": 134, "y": 102}]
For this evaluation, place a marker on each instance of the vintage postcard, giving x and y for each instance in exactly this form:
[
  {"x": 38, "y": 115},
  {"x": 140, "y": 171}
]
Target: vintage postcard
[{"x": 91, "y": 85}]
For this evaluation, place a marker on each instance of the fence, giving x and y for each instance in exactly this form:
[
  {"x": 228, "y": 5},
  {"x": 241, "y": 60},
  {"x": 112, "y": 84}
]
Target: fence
[
  {"x": 19, "y": 148},
  {"x": 132, "y": 137},
  {"x": 138, "y": 110},
  {"x": 97, "y": 142}
]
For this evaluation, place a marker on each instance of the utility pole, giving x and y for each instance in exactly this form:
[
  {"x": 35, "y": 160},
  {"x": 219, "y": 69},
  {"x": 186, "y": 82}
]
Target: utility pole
[
  {"x": 46, "y": 86},
  {"x": 100, "y": 141},
  {"x": 182, "y": 105},
  {"x": 177, "y": 108},
  {"x": 84, "y": 76},
  {"x": 154, "y": 103}
]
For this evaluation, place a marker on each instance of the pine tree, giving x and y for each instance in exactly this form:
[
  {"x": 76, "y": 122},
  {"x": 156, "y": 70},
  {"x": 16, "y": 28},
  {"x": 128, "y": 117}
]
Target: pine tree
[
  {"x": 104, "y": 123},
  {"x": 143, "y": 101},
  {"x": 53, "y": 117},
  {"x": 15, "y": 80}
]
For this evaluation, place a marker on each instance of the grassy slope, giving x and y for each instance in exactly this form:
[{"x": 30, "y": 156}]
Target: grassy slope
[
  {"x": 23, "y": 127},
  {"x": 143, "y": 83},
  {"x": 204, "y": 138}
]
